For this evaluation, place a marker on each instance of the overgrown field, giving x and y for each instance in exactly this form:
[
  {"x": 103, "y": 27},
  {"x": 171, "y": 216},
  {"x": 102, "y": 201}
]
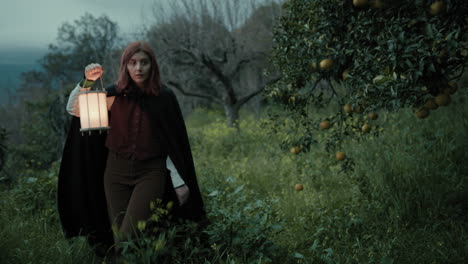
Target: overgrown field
[{"x": 404, "y": 202}]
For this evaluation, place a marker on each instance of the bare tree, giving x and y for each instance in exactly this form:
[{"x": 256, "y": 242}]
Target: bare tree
[{"x": 207, "y": 49}]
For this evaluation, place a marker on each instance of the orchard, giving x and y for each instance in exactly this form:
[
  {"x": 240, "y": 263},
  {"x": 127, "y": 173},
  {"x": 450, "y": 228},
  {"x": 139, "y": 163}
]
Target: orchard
[{"x": 367, "y": 56}]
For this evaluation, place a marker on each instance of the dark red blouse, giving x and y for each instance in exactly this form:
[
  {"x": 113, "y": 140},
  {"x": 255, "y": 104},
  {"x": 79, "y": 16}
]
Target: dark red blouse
[{"x": 131, "y": 131}]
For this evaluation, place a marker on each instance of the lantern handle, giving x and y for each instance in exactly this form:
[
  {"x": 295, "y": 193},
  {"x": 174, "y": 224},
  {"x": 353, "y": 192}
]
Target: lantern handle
[
  {"x": 84, "y": 85},
  {"x": 102, "y": 85}
]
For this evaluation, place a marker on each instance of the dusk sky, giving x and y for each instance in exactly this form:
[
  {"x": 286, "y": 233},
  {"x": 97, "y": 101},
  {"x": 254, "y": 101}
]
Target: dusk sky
[{"x": 29, "y": 26}]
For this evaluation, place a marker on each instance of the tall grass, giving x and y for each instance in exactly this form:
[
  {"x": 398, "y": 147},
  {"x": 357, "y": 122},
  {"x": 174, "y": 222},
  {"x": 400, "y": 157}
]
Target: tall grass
[
  {"x": 402, "y": 203},
  {"x": 29, "y": 225}
]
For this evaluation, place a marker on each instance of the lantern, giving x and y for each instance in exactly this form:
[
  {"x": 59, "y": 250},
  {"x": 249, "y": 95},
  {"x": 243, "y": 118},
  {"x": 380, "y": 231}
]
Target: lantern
[{"x": 93, "y": 110}]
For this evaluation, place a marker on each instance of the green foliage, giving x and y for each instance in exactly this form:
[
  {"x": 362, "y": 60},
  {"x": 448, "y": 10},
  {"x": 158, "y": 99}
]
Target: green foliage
[
  {"x": 161, "y": 240},
  {"x": 242, "y": 224},
  {"x": 36, "y": 191},
  {"x": 40, "y": 145},
  {"x": 420, "y": 175},
  {"x": 396, "y": 55},
  {"x": 29, "y": 224},
  {"x": 383, "y": 56},
  {"x": 238, "y": 231}
]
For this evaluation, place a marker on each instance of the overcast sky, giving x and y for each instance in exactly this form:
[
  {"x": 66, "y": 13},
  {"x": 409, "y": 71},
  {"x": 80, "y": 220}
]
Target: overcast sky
[{"x": 32, "y": 24}]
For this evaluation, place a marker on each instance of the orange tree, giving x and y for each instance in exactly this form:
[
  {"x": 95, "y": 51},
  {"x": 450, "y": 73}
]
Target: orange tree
[{"x": 367, "y": 55}]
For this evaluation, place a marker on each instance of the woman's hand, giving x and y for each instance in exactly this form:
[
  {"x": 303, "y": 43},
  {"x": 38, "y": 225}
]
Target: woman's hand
[
  {"x": 183, "y": 193},
  {"x": 93, "y": 71}
]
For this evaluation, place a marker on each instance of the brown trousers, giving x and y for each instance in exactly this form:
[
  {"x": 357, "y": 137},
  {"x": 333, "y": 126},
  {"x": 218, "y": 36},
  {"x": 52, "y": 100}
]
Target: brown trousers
[{"x": 130, "y": 185}]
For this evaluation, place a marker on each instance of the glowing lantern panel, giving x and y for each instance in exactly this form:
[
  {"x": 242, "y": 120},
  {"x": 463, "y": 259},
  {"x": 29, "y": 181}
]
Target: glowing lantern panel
[{"x": 93, "y": 111}]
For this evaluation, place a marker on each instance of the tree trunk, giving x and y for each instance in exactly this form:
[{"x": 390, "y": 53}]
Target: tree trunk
[{"x": 232, "y": 115}]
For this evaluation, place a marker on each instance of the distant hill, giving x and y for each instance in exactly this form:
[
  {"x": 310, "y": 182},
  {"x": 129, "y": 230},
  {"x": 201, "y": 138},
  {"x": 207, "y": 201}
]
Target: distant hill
[
  {"x": 10, "y": 78},
  {"x": 14, "y": 61},
  {"x": 13, "y": 55}
]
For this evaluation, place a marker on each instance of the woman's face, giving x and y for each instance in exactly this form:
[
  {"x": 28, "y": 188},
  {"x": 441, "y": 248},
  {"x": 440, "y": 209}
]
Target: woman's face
[{"x": 139, "y": 67}]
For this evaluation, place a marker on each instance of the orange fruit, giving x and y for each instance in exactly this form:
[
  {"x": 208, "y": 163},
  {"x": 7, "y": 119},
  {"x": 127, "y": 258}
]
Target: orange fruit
[
  {"x": 358, "y": 109},
  {"x": 326, "y": 64},
  {"x": 452, "y": 87},
  {"x": 347, "y": 108},
  {"x": 295, "y": 150},
  {"x": 373, "y": 116},
  {"x": 340, "y": 155},
  {"x": 299, "y": 187},
  {"x": 442, "y": 99},
  {"x": 431, "y": 104},
  {"x": 344, "y": 75},
  {"x": 359, "y": 3},
  {"x": 422, "y": 113},
  {"x": 365, "y": 128},
  {"x": 436, "y": 8},
  {"x": 325, "y": 124}
]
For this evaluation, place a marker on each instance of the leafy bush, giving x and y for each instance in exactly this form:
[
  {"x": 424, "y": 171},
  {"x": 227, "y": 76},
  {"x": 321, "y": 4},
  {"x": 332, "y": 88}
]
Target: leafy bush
[
  {"x": 242, "y": 224},
  {"x": 40, "y": 145},
  {"x": 239, "y": 231}
]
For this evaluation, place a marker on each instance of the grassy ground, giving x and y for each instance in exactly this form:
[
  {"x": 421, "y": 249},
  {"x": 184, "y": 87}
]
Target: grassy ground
[{"x": 405, "y": 201}]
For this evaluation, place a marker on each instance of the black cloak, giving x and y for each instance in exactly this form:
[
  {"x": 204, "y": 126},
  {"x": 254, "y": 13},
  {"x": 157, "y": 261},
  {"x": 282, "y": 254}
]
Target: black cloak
[{"x": 81, "y": 200}]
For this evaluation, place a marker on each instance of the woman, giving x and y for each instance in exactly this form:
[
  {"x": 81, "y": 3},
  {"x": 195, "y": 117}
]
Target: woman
[{"x": 111, "y": 179}]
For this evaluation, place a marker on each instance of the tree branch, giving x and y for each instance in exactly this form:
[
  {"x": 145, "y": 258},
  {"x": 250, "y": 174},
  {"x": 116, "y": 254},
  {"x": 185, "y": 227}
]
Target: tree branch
[
  {"x": 227, "y": 84},
  {"x": 179, "y": 88},
  {"x": 239, "y": 66},
  {"x": 246, "y": 98},
  {"x": 185, "y": 51},
  {"x": 223, "y": 59},
  {"x": 243, "y": 62}
]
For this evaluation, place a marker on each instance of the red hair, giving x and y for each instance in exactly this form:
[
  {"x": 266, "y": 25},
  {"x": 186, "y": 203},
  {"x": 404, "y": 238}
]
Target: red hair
[{"x": 153, "y": 83}]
